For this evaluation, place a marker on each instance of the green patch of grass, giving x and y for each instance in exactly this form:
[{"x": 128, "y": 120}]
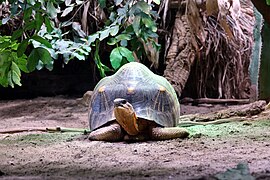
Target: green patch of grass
[
  {"x": 40, "y": 139},
  {"x": 252, "y": 128},
  {"x": 262, "y": 123}
]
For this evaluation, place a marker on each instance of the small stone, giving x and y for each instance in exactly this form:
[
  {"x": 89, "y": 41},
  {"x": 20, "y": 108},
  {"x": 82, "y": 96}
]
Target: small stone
[{"x": 247, "y": 124}]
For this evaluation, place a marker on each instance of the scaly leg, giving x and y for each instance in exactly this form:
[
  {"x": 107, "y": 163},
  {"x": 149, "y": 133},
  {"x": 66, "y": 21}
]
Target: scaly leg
[
  {"x": 112, "y": 132},
  {"x": 160, "y": 133}
]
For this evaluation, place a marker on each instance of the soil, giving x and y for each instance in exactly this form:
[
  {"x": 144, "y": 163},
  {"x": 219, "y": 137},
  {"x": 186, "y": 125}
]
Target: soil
[{"x": 236, "y": 150}]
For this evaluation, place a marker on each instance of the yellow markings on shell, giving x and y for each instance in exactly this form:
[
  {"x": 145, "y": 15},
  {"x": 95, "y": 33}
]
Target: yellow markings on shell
[
  {"x": 162, "y": 89},
  {"x": 101, "y": 89},
  {"x": 158, "y": 104},
  {"x": 130, "y": 90}
]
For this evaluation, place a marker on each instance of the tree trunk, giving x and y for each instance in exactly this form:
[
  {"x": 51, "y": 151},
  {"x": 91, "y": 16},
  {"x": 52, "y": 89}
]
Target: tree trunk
[
  {"x": 181, "y": 54},
  {"x": 219, "y": 45}
]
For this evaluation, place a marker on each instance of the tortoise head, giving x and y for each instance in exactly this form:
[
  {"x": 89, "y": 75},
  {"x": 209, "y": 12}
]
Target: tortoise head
[{"x": 126, "y": 116}]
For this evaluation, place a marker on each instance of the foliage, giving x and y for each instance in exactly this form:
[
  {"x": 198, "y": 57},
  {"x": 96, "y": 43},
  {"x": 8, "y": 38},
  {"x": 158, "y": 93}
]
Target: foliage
[
  {"x": 48, "y": 30},
  {"x": 60, "y": 46},
  {"x": 268, "y": 2},
  {"x": 132, "y": 25},
  {"x": 11, "y": 64}
]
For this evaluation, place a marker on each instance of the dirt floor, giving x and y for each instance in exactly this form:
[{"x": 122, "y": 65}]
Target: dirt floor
[{"x": 238, "y": 150}]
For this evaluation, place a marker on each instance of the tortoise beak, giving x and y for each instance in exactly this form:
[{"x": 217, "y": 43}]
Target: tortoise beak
[{"x": 119, "y": 102}]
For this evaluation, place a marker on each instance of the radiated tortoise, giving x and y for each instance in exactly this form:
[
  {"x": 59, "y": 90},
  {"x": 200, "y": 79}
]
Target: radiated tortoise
[{"x": 134, "y": 104}]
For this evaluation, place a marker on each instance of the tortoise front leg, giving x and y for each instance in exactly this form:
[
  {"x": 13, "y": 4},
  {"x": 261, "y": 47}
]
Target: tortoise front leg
[
  {"x": 165, "y": 133},
  {"x": 112, "y": 132}
]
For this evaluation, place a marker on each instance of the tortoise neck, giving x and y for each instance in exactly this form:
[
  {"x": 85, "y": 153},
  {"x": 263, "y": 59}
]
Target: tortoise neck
[{"x": 127, "y": 119}]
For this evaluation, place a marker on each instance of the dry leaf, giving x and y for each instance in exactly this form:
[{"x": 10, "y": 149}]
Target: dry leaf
[
  {"x": 226, "y": 28},
  {"x": 212, "y": 7}
]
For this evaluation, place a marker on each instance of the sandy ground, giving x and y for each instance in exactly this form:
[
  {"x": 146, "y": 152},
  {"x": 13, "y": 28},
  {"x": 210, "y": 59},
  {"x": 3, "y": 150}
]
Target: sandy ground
[{"x": 207, "y": 154}]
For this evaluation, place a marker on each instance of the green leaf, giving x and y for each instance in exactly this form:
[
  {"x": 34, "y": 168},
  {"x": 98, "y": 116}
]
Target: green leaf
[
  {"x": 42, "y": 41},
  {"x": 121, "y": 37},
  {"x": 136, "y": 25},
  {"x": 92, "y": 38},
  {"x": 78, "y": 2},
  {"x": 5, "y": 44},
  {"x": 9, "y": 78},
  {"x": 143, "y": 6},
  {"x": 104, "y": 34},
  {"x": 3, "y": 71},
  {"x": 30, "y": 25},
  {"x": 87, "y": 48},
  {"x": 16, "y": 78},
  {"x": 116, "y": 58},
  {"x": 61, "y": 45},
  {"x": 40, "y": 65},
  {"x": 126, "y": 53},
  {"x": 78, "y": 29},
  {"x": 124, "y": 43},
  {"x": 39, "y": 21},
  {"x": 44, "y": 56},
  {"x": 14, "y": 8},
  {"x": 22, "y": 63},
  {"x": 27, "y": 14},
  {"x": 15, "y": 68},
  {"x": 48, "y": 24},
  {"x": 49, "y": 66},
  {"x": 83, "y": 52},
  {"x": 102, "y": 3},
  {"x": 4, "y": 57},
  {"x": 106, "y": 68},
  {"x": 52, "y": 10},
  {"x": 4, "y": 82},
  {"x": 32, "y": 60},
  {"x": 157, "y": 2},
  {"x": 22, "y": 47},
  {"x": 67, "y": 2},
  {"x": 36, "y": 55},
  {"x": 118, "y": 2},
  {"x": 16, "y": 34},
  {"x": 268, "y": 2},
  {"x": 78, "y": 56},
  {"x": 67, "y": 11},
  {"x": 5, "y": 20},
  {"x": 149, "y": 23},
  {"x": 37, "y": 5},
  {"x": 112, "y": 41},
  {"x": 114, "y": 30}
]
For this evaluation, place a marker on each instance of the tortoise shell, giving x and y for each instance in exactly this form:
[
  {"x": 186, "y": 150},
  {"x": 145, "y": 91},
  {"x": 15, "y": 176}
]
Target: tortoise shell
[{"x": 152, "y": 96}]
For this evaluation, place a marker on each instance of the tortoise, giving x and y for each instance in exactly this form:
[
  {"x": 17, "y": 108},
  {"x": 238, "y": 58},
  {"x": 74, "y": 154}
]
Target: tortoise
[{"x": 134, "y": 104}]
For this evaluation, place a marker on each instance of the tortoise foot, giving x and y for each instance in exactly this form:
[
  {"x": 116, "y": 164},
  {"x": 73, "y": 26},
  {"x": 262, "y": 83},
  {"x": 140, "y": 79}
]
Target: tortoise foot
[
  {"x": 111, "y": 133},
  {"x": 159, "y": 133}
]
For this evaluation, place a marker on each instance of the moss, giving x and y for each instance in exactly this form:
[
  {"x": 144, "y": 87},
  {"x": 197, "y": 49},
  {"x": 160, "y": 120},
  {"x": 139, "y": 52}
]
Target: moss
[
  {"x": 255, "y": 128},
  {"x": 40, "y": 139}
]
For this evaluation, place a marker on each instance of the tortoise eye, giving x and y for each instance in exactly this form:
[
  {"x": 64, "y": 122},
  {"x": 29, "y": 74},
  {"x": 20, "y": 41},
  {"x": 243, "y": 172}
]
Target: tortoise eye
[{"x": 119, "y": 102}]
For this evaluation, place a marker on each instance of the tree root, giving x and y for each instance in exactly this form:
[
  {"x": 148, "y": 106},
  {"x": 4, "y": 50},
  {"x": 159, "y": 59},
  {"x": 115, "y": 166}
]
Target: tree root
[{"x": 234, "y": 113}]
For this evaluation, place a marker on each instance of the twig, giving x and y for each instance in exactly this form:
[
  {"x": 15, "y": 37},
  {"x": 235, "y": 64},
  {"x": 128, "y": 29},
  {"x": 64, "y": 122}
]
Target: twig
[
  {"x": 44, "y": 129},
  {"x": 215, "y": 101},
  {"x": 215, "y": 122}
]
